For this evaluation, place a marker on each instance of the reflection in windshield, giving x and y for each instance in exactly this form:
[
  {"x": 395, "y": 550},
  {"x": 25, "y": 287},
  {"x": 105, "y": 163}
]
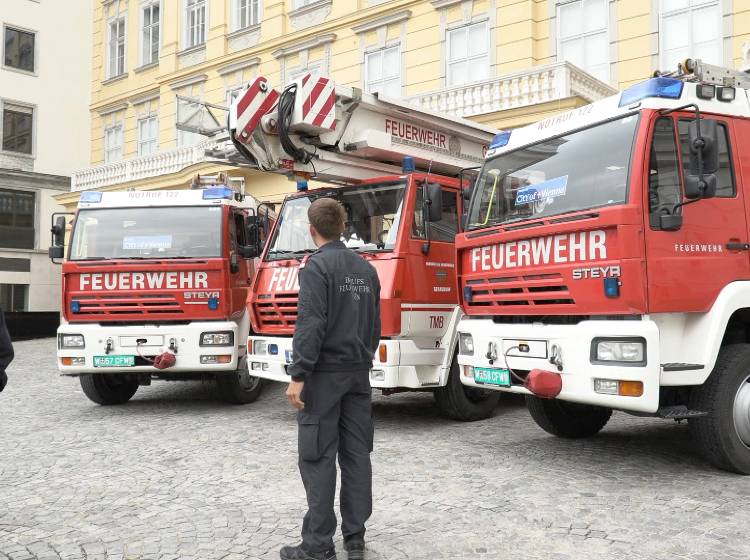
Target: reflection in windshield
[
  {"x": 126, "y": 233},
  {"x": 373, "y": 215},
  {"x": 585, "y": 169}
]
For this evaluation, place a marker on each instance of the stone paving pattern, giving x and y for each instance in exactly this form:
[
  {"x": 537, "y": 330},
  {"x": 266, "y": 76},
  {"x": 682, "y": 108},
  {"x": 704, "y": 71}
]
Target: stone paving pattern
[{"x": 177, "y": 474}]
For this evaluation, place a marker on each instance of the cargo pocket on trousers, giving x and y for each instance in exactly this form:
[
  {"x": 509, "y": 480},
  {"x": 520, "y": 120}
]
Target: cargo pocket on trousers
[{"x": 309, "y": 436}]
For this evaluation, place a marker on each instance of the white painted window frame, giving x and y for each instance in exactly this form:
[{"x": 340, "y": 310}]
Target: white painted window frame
[
  {"x": 690, "y": 8},
  {"x": 187, "y": 38},
  {"x": 111, "y": 71},
  {"x": 237, "y": 14},
  {"x": 584, "y": 34},
  {"x": 149, "y": 141},
  {"x": 448, "y": 34},
  {"x": 36, "y": 49},
  {"x": 118, "y": 129},
  {"x": 34, "y": 113},
  {"x": 146, "y": 5},
  {"x": 381, "y": 51}
]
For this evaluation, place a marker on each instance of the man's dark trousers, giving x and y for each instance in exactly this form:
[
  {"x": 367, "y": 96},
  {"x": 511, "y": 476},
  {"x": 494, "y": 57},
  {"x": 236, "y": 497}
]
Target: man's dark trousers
[{"x": 337, "y": 419}]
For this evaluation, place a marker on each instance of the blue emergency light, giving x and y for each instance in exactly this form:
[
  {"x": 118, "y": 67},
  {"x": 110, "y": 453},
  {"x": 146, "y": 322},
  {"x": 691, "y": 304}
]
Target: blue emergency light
[
  {"x": 213, "y": 303},
  {"x": 215, "y": 193},
  {"x": 612, "y": 287},
  {"x": 665, "y": 88},
  {"x": 500, "y": 140},
  {"x": 301, "y": 185},
  {"x": 91, "y": 196},
  {"x": 75, "y": 306},
  {"x": 408, "y": 165},
  {"x": 273, "y": 349}
]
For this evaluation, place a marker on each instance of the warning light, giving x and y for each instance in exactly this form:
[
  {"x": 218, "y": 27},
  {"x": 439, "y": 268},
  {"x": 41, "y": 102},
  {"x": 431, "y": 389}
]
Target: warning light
[
  {"x": 612, "y": 287},
  {"x": 91, "y": 196},
  {"x": 301, "y": 185},
  {"x": 408, "y": 165},
  {"x": 500, "y": 140},
  {"x": 213, "y": 303},
  {"x": 75, "y": 306},
  {"x": 665, "y": 88},
  {"x": 214, "y": 193}
]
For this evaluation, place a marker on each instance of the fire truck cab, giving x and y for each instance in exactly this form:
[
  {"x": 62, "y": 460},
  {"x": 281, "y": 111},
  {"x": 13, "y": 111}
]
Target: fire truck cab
[
  {"x": 610, "y": 246},
  {"x": 157, "y": 273}
]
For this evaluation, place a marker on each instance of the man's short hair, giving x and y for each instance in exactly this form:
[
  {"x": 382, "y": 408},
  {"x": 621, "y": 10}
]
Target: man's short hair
[{"x": 327, "y": 216}]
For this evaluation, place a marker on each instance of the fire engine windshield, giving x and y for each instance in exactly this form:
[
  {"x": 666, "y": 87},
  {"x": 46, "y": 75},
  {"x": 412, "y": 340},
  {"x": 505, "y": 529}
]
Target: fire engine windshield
[
  {"x": 132, "y": 233},
  {"x": 373, "y": 216},
  {"x": 578, "y": 171}
]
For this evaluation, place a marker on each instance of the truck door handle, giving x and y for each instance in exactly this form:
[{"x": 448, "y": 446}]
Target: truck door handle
[{"x": 738, "y": 246}]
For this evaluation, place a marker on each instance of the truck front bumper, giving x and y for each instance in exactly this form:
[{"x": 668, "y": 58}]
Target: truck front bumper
[
  {"x": 101, "y": 340},
  {"x": 583, "y": 376},
  {"x": 404, "y": 366}
]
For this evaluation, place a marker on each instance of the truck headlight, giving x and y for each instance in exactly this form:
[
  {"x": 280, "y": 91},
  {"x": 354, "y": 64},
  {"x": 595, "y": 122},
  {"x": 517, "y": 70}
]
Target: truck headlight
[
  {"x": 630, "y": 351},
  {"x": 70, "y": 341},
  {"x": 260, "y": 347},
  {"x": 465, "y": 344},
  {"x": 224, "y": 338}
]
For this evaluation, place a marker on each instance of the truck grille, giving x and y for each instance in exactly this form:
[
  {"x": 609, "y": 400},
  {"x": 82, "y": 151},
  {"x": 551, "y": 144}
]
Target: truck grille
[
  {"x": 101, "y": 306},
  {"x": 277, "y": 311},
  {"x": 535, "y": 290}
]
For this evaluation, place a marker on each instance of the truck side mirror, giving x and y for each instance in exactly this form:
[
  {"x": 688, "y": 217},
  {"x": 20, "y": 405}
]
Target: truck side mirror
[
  {"x": 252, "y": 250},
  {"x": 434, "y": 201},
  {"x": 57, "y": 249},
  {"x": 704, "y": 159}
]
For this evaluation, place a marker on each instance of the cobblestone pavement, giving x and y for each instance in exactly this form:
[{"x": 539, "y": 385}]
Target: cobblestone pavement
[{"x": 176, "y": 473}]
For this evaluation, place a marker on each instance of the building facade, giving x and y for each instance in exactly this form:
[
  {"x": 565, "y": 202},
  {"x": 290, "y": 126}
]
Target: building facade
[
  {"x": 44, "y": 136},
  {"x": 502, "y": 62}
]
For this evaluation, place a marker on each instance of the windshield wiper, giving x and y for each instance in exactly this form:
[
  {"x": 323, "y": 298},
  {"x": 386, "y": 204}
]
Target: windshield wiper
[{"x": 290, "y": 254}]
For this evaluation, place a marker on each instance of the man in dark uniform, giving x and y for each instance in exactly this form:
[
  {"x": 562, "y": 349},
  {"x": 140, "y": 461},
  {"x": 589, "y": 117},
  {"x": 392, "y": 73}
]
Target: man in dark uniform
[
  {"x": 335, "y": 339},
  {"x": 6, "y": 351}
]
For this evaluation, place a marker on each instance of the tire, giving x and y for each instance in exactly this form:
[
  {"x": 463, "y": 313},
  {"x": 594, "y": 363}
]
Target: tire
[
  {"x": 465, "y": 404},
  {"x": 566, "y": 419},
  {"x": 239, "y": 387},
  {"x": 108, "y": 388},
  {"x": 723, "y": 437}
]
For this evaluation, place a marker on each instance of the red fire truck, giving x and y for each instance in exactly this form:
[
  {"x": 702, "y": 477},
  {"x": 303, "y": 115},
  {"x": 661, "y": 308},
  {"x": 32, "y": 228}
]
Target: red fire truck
[
  {"x": 403, "y": 221},
  {"x": 606, "y": 262},
  {"x": 155, "y": 286}
]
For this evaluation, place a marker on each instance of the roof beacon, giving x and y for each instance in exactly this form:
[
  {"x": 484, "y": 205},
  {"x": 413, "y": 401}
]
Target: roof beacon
[{"x": 665, "y": 88}]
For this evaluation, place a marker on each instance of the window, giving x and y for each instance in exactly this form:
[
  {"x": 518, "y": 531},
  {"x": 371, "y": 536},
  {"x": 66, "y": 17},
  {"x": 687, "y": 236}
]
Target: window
[
  {"x": 18, "y": 126},
  {"x": 313, "y": 68},
  {"x": 16, "y": 219},
  {"x": 468, "y": 54},
  {"x": 443, "y": 230},
  {"x": 148, "y": 135},
  {"x": 19, "y": 49},
  {"x": 583, "y": 38},
  {"x": 724, "y": 177},
  {"x": 14, "y": 297},
  {"x": 150, "y": 23},
  {"x": 113, "y": 143},
  {"x": 116, "y": 58},
  {"x": 233, "y": 94},
  {"x": 383, "y": 72},
  {"x": 195, "y": 22},
  {"x": 690, "y": 29},
  {"x": 663, "y": 173},
  {"x": 247, "y": 13}
]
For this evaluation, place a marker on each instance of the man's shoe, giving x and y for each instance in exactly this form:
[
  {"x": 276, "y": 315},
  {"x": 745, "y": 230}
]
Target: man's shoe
[
  {"x": 355, "y": 548},
  {"x": 299, "y": 553}
]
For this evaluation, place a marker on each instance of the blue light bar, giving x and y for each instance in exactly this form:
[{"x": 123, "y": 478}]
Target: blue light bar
[
  {"x": 217, "y": 193},
  {"x": 407, "y": 165},
  {"x": 75, "y": 306},
  {"x": 665, "y": 88},
  {"x": 501, "y": 139},
  {"x": 213, "y": 303},
  {"x": 91, "y": 196}
]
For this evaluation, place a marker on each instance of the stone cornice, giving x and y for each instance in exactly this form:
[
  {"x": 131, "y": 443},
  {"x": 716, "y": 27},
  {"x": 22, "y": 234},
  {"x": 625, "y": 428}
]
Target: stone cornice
[
  {"x": 12, "y": 178},
  {"x": 387, "y": 19},
  {"x": 143, "y": 97},
  {"x": 109, "y": 109},
  {"x": 239, "y": 65},
  {"x": 439, "y": 4},
  {"x": 189, "y": 81},
  {"x": 304, "y": 45}
]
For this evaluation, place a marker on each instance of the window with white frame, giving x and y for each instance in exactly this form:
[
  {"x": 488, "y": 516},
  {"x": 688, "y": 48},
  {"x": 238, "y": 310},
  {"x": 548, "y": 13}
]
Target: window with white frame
[
  {"x": 468, "y": 50},
  {"x": 583, "y": 36},
  {"x": 195, "y": 23},
  {"x": 113, "y": 140},
  {"x": 148, "y": 135},
  {"x": 246, "y": 13},
  {"x": 150, "y": 31},
  {"x": 19, "y": 49},
  {"x": 314, "y": 68},
  {"x": 17, "y": 128},
  {"x": 116, "y": 44},
  {"x": 383, "y": 72},
  {"x": 690, "y": 29}
]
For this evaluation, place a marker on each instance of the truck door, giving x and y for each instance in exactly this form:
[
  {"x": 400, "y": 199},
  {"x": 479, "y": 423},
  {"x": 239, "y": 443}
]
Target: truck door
[
  {"x": 240, "y": 268},
  {"x": 431, "y": 288},
  {"x": 689, "y": 267}
]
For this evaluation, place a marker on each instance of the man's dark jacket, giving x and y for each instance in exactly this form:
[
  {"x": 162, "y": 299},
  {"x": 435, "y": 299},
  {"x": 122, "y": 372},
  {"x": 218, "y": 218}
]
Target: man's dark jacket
[
  {"x": 6, "y": 351},
  {"x": 338, "y": 315}
]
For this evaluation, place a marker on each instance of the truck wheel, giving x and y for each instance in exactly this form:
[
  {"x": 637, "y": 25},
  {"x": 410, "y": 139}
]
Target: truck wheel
[
  {"x": 460, "y": 402},
  {"x": 108, "y": 388},
  {"x": 239, "y": 387},
  {"x": 723, "y": 437},
  {"x": 566, "y": 419}
]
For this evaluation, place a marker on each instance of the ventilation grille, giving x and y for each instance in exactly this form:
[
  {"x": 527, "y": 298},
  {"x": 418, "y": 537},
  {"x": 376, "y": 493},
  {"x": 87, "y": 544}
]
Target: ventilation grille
[{"x": 536, "y": 290}]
